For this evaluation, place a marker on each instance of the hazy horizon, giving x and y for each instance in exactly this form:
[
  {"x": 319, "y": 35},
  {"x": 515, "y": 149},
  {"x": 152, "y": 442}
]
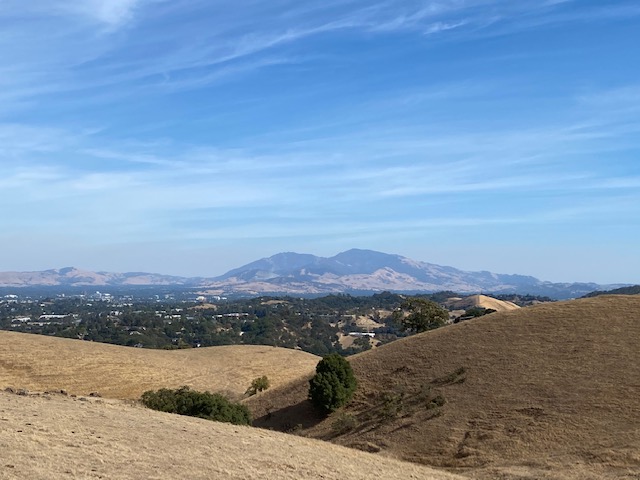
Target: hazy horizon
[
  {"x": 188, "y": 138},
  {"x": 216, "y": 274}
]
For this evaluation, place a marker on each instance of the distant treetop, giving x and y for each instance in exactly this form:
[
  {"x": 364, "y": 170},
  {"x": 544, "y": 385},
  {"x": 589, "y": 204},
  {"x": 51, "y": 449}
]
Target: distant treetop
[{"x": 632, "y": 290}]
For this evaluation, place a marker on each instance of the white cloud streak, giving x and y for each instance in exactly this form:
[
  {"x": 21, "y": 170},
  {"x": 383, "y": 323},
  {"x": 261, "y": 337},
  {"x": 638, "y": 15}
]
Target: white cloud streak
[
  {"x": 110, "y": 13},
  {"x": 192, "y": 57}
]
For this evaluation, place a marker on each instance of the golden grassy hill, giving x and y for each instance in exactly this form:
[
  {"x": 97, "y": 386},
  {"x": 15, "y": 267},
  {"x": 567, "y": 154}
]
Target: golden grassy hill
[
  {"x": 483, "y": 301},
  {"x": 54, "y": 437},
  {"x": 40, "y": 363},
  {"x": 549, "y": 391}
]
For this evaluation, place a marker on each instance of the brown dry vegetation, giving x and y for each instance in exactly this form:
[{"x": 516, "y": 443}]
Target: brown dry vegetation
[
  {"x": 482, "y": 301},
  {"x": 55, "y": 437},
  {"x": 550, "y": 392},
  {"x": 41, "y": 363}
]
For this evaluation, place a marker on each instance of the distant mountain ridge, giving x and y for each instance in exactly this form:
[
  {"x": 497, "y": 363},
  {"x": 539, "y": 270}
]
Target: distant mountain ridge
[
  {"x": 630, "y": 290},
  {"x": 74, "y": 277},
  {"x": 362, "y": 271},
  {"x": 352, "y": 271}
]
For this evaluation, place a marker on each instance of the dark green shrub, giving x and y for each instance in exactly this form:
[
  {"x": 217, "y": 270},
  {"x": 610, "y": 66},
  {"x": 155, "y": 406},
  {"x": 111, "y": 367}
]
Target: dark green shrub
[
  {"x": 343, "y": 423},
  {"x": 333, "y": 384},
  {"x": 457, "y": 376},
  {"x": 392, "y": 404},
  {"x": 477, "y": 312},
  {"x": 258, "y": 385},
  {"x": 437, "y": 401},
  {"x": 185, "y": 401}
]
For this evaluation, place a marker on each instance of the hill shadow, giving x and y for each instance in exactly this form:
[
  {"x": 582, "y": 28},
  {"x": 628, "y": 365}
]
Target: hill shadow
[{"x": 291, "y": 418}]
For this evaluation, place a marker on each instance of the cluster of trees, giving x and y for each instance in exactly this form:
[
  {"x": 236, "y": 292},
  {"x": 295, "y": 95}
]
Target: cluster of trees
[
  {"x": 312, "y": 325},
  {"x": 419, "y": 315},
  {"x": 185, "y": 401},
  {"x": 631, "y": 290},
  {"x": 523, "y": 300}
]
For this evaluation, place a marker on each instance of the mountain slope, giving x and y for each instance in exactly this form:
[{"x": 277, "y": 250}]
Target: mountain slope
[
  {"x": 353, "y": 271},
  {"x": 274, "y": 266},
  {"x": 370, "y": 271},
  {"x": 72, "y": 277},
  {"x": 549, "y": 391},
  {"x": 37, "y": 362}
]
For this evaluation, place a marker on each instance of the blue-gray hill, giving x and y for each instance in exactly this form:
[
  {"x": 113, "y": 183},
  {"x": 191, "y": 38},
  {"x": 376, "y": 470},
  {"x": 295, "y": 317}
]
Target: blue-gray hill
[
  {"x": 364, "y": 271},
  {"x": 354, "y": 271}
]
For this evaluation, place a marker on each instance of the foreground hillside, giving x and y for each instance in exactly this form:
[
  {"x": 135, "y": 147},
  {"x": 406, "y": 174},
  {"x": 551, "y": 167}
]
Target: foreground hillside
[
  {"x": 52, "y": 436},
  {"x": 40, "y": 363},
  {"x": 550, "y": 391}
]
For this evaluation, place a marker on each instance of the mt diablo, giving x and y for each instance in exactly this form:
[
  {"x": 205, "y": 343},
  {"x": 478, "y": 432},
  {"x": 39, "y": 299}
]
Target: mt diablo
[{"x": 354, "y": 271}]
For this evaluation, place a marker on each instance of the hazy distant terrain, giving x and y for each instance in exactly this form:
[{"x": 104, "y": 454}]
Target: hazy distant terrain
[
  {"x": 320, "y": 325},
  {"x": 630, "y": 290},
  {"x": 353, "y": 271}
]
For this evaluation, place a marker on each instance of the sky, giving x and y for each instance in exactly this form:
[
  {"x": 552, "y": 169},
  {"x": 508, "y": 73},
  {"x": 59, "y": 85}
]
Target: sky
[{"x": 190, "y": 137}]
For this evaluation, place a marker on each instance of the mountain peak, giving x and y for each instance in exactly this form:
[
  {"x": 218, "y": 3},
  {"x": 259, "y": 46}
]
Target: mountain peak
[
  {"x": 67, "y": 270},
  {"x": 361, "y": 270},
  {"x": 352, "y": 271}
]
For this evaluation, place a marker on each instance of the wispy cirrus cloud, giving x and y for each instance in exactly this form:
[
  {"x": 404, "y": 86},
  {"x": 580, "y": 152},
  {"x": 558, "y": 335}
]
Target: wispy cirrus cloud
[
  {"x": 623, "y": 101},
  {"x": 439, "y": 27},
  {"x": 113, "y": 13},
  {"x": 110, "y": 13},
  {"x": 192, "y": 56}
]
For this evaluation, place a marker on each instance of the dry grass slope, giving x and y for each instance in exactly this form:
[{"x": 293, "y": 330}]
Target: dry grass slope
[
  {"x": 550, "y": 391},
  {"x": 50, "y": 436},
  {"x": 483, "y": 301},
  {"x": 41, "y": 363}
]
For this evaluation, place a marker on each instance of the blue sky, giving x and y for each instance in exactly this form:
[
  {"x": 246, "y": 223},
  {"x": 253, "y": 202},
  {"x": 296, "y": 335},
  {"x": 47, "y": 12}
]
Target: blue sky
[{"x": 192, "y": 136}]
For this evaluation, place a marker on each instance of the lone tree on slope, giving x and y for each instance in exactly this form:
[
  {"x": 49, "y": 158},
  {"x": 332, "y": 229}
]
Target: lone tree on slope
[
  {"x": 333, "y": 385},
  {"x": 419, "y": 315}
]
